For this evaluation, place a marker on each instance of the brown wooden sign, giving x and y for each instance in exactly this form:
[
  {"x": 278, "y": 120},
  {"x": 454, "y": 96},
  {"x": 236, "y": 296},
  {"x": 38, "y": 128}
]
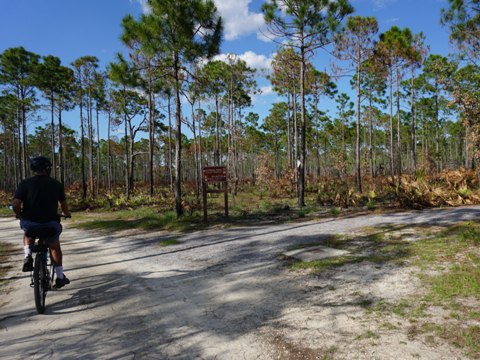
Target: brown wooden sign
[{"x": 215, "y": 173}]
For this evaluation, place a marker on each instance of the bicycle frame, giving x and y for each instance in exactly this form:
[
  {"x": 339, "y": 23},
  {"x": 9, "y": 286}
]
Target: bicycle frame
[
  {"x": 42, "y": 276},
  {"x": 43, "y": 272}
]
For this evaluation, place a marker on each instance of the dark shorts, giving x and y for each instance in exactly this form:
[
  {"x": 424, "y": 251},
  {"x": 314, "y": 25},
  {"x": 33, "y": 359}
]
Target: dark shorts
[{"x": 25, "y": 225}]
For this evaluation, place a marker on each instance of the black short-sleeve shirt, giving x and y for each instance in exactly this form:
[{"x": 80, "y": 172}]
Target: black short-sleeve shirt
[{"x": 40, "y": 195}]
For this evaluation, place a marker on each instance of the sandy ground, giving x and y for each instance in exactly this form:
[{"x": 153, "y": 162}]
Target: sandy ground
[{"x": 218, "y": 294}]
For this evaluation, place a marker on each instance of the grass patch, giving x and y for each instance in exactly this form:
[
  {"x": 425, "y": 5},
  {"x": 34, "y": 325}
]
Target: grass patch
[
  {"x": 323, "y": 264},
  {"x": 449, "y": 269},
  {"x": 5, "y": 251},
  {"x": 169, "y": 242},
  {"x": 335, "y": 211},
  {"x": 462, "y": 280},
  {"x": 142, "y": 218},
  {"x": 375, "y": 248},
  {"x": 406, "y": 308},
  {"x": 368, "y": 335},
  {"x": 461, "y": 336},
  {"x": 329, "y": 353},
  {"x": 454, "y": 252},
  {"x": 389, "y": 326},
  {"x": 5, "y": 211},
  {"x": 451, "y": 254}
]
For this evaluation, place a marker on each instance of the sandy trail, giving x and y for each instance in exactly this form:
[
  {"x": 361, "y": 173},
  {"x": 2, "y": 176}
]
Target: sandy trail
[{"x": 218, "y": 294}]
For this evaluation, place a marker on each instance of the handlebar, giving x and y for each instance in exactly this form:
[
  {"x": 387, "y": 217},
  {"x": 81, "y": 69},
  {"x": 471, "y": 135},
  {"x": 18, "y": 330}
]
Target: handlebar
[
  {"x": 59, "y": 216},
  {"x": 10, "y": 207}
]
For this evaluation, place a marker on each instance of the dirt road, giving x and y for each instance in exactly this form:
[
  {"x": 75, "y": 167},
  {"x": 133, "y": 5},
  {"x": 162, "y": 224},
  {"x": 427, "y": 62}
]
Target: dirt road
[{"x": 219, "y": 294}]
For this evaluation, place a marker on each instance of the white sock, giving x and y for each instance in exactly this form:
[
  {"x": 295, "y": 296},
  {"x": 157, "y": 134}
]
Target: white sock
[
  {"x": 59, "y": 271},
  {"x": 27, "y": 251}
]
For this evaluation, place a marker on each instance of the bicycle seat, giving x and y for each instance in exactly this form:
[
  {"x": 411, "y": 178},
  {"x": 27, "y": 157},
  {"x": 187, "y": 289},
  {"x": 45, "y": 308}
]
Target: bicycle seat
[{"x": 41, "y": 231}]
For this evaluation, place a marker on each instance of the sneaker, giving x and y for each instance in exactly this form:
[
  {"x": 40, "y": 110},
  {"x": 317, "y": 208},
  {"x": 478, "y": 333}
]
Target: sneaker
[
  {"x": 59, "y": 283},
  {"x": 28, "y": 264}
]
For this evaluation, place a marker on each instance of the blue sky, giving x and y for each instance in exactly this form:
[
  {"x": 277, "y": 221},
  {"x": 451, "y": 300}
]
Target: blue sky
[{"x": 71, "y": 29}]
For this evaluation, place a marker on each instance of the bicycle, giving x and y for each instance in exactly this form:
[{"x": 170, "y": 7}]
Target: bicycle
[{"x": 42, "y": 278}]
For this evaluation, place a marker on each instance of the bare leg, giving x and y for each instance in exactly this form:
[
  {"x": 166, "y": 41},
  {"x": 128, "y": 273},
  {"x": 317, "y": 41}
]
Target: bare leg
[
  {"x": 56, "y": 252},
  {"x": 26, "y": 240},
  {"x": 27, "y": 251}
]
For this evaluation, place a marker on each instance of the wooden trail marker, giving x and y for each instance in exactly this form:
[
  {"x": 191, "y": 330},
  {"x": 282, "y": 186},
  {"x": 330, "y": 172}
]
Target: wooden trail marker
[{"x": 212, "y": 175}]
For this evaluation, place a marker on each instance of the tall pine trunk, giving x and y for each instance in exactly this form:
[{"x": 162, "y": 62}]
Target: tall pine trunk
[
  {"x": 82, "y": 131},
  {"x": 90, "y": 143},
  {"x": 303, "y": 140},
  {"x": 178, "y": 135},
  {"x": 358, "y": 177},
  {"x": 61, "y": 160},
  {"x": 52, "y": 137}
]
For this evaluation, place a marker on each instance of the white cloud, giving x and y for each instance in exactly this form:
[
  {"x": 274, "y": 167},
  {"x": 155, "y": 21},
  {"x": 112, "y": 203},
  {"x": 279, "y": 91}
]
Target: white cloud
[
  {"x": 253, "y": 60},
  {"x": 238, "y": 20},
  {"x": 266, "y": 90},
  {"x": 143, "y": 4},
  {"x": 382, "y": 3},
  {"x": 392, "y": 20}
]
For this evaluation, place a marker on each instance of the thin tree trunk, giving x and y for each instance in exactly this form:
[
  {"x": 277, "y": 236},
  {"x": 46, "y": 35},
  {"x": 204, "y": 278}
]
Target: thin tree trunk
[
  {"x": 303, "y": 142},
  {"x": 127, "y": 161},
  {"x": 467, "y": 134},
  {"x": 90, "y": 143},
  {"x": 370, "y": 138},
  {"x": 170, "y": 160},
  {"x": 289, "y": 133},
  {"x": 200, "y": 142},
  {"x": 98, "y": 152},
  {"x": 151, "y": 133},
  {"x": 216, "y": 154},
  {"x": 358, "y": 177},
  {"x": 178, "y": 145},
  {"x": 413, "y": 124},
  {"x": 437, "y": 135},
  {"x": 295, "y": 140},
  {"x": 24, "y": 142},
  {"x": 82, "y": 131},
  {"x": 52, "y": 137},
  {"x": 5, "y": 162},
  {"x": 195, "y": 154},
  {"x": 399, "y": 143},
  {"x": 109, "y": 154},
  {"x": 392, "y": 157},
  {"x": 132, "y": 159},
  {"x": 19, "y": 162},
  {"x": 60, "y": 144}
]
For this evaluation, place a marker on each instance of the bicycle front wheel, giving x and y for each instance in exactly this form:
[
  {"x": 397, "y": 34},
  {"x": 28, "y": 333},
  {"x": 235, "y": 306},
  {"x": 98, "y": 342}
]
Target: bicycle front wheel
[{"x": 40, "y": 282}]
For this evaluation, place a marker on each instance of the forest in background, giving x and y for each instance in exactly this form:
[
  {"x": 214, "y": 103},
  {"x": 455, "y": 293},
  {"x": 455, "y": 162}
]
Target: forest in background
[{"x": 410, "y": 132}]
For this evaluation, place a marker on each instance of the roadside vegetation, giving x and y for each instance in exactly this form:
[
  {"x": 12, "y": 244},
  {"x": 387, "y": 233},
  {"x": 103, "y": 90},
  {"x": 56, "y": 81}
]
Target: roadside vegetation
[
  {"x": 270, "y": 200},
  {"x": 5, "y": 252},
  {"x": 445, "y": 259}
]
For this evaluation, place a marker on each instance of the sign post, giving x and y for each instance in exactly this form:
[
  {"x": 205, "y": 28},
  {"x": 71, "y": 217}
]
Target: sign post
[{"x": 214, "y": 174}]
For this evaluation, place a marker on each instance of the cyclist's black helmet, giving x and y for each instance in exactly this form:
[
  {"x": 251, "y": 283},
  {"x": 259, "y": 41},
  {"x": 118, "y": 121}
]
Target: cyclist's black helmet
[{"x": 40, "y": 163}]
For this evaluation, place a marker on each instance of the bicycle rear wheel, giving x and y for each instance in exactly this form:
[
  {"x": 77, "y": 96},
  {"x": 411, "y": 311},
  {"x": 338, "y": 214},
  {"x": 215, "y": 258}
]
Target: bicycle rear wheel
[{"x": 40, "y": 282}]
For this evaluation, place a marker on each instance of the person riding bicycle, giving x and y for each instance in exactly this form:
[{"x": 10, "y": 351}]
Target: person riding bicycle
[{"x": 35, "y": 203}]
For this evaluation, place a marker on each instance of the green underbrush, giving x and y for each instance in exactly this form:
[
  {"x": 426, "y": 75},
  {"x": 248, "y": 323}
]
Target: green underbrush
[
  {"x": 271, "y": 199},
  {"x": 142, "y": 218}
]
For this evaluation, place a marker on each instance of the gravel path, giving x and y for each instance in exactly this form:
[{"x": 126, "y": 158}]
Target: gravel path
[{"x": 218, "y": 294}]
